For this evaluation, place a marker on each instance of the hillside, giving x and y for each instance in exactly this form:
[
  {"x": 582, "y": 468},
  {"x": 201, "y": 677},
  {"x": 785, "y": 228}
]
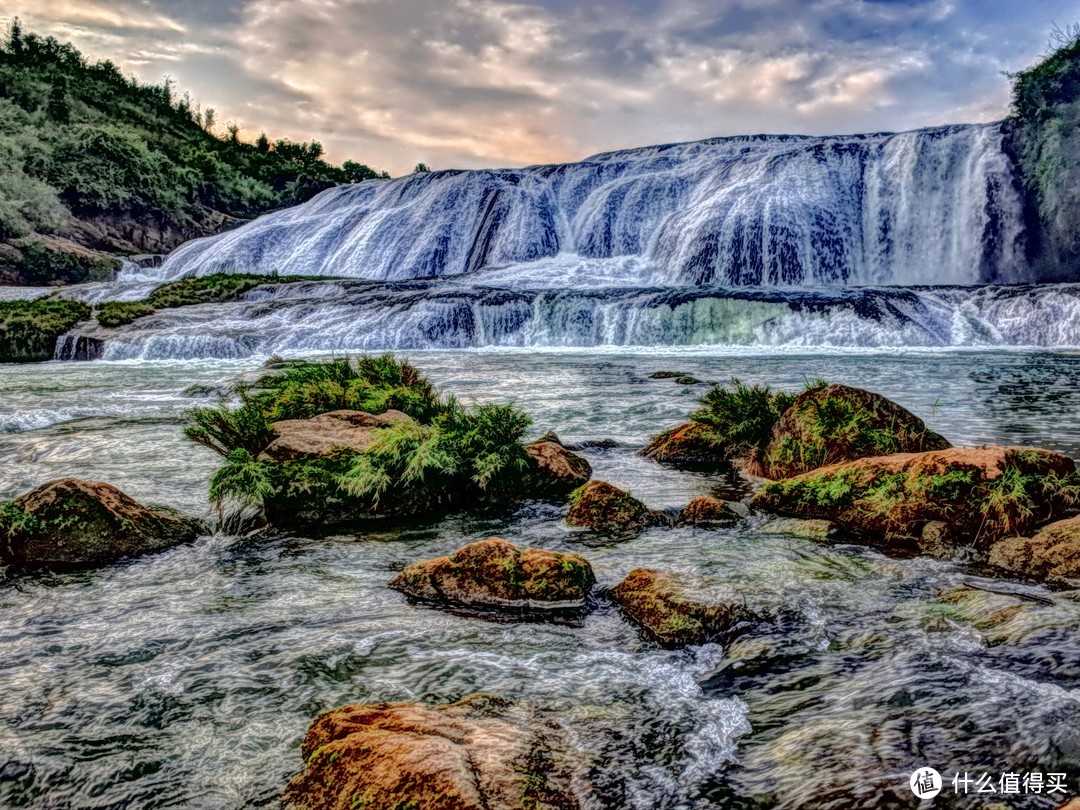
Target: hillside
[
  {"x": 94, "y": 164},
  {"x": 1045, "y": 139}
]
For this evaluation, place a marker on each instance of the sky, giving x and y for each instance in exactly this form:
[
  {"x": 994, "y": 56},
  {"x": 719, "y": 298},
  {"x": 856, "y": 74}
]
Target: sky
[{"x": 486, "y": 83}]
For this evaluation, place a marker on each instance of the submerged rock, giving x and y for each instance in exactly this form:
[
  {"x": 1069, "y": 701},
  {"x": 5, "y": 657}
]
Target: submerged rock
[
  {"x": 601, "y": 507},
  {"x": 689, "y": 444},
  {"x": 667, "y": 375},
  {"x": 979, "y": 494},
  {"x": 71, "y": 523},
  {"x": 837, "y": 423},
  {"x": 494, "y": 573},
  {"x": 327, "y": 434},
  {"x": 557, "y": 471},
  {"x": 480, "y": 753},
  {"x": 1053, "y": 552},
  {"x": 801, "y": 527},
  {"x": 659, "y": 605},
  {"x": 708, "y": 511}
]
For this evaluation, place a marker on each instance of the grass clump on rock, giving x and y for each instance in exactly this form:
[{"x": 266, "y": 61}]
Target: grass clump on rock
[
  {"x": 352, "y": 438},
  {"x": 29, "y": 329},
  {"x": 774, "y": 434}
]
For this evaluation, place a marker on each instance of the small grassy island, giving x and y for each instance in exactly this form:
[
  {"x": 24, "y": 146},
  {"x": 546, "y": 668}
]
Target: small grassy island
[{"x": 349, "y": 439}]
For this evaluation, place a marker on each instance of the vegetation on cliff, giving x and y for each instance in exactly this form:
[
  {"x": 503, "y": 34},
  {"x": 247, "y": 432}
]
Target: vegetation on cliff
[
  {"x": 1045, "y": 135},
  {"x": 29, "y": 329},
  {"x": 92, "y": 159}
]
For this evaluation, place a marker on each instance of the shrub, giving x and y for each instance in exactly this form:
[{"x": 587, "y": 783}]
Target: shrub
[
  {"x": 118, "y": 313},
  {"x": 741, "y": 418}
]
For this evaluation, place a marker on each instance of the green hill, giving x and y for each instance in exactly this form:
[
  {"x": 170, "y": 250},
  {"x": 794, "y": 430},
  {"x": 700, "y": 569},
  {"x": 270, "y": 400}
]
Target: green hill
[{"x": 94, "y": 164}]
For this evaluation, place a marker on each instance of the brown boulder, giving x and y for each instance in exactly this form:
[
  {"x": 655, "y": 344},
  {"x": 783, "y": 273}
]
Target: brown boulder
[
  {"x": 1053, "y": 552},
  {"x": 601, "y": 507},
  {"x": 708, "y": 511},
  {"x": 495, "y": 573},
  {"x": 980, "y": 494},
  {"x": 327, "y": 434},
  {"x": 801, "y": 527},
  {"x": 75, "y": 524},
  {"x": 688, "y": 444},
  {"x": 480, "y": 753},
  {"x": 658, "y": 604},
  {"x": 556, "y": 471},
  {"x": 836, "y": 423}
]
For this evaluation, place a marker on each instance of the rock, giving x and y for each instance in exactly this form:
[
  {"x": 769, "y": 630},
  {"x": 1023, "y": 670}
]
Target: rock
[
  {"x": 480, "y": 753},
  {"x": 708, "y": 511},
  {"x": 980, "y": 494},
  {"x": 497, "y": 574},
  {"x": 77, "y": 524},
  {"x": 1072, "y": 804},
  {"x": 688, "y": 444},
  {"x": 657, "y": 603},
  {"x": 687, "y": 380},
  {"x": 667, "y": 375},
  {"x": 937, "y": 540},
  {"x": 601, "y": 507},
  {"x": 596, "y": 444},
  {"x": 550, "y": 436},
  {"x": 801, "y": 527},
  {"x": 1053, "y": 552},
  {"x": 837, "y": 423},
  {"x": 557, "y": 471},
  {"x": 327, "y": 434}
]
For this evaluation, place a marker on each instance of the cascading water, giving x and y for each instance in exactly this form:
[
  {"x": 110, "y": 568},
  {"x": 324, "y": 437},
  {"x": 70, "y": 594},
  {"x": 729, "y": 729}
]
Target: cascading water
[{"x": 915, "y": 239}]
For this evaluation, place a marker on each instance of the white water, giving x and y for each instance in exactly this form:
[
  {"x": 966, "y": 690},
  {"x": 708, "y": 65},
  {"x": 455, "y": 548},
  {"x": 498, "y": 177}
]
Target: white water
[{"x": 937, "y": 206}]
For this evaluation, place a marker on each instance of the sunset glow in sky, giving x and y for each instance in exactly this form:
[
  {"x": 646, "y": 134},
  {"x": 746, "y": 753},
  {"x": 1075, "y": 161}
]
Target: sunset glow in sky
[{"x": 470, "y": 83}]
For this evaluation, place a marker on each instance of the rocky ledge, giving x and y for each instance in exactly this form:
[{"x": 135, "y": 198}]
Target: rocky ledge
[
  {"x": 71, "y": 523},
  {"x": 494, "y": 573},
  {"x": 480, "y": 753}
]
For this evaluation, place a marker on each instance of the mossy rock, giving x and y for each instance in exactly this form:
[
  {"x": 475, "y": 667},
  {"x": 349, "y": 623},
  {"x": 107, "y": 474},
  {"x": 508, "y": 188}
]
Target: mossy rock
[
  {"x": 78, "y": 524},
  {"x": 602, "y": 507},
  {"x": 836, "y": 423},
  {"x": 687, "y": 445},
  {"x": 29, "y": 329},
  {"x": 494, "y": 573},
  {"x": 480, "y": 753},
  {"x": 707, "y": 511},
  {"x": 555, "y": 472},
  {"x": 658, "y": 604},
  {"x": 980, "y": 495}
]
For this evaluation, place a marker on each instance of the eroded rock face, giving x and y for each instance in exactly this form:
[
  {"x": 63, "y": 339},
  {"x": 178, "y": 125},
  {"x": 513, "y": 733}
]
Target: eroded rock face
[
  {"x": 494, "y": 573},
  {"x": 659, "y": 605},
  {"x": 481, "y": 753},
  {"x": 71, "y": 523},
  {"x": 687, "y": 445},
  {"x": 979, "y": 495},
  {"x": 707, "y": 511},
  {"x": 327, "y": 434},
  {"x": 837, "y": 423},
  {"x": 602, "y": 507},
  {"x": 558, "y": 471},
  {"x": 1053, "y": 552}
]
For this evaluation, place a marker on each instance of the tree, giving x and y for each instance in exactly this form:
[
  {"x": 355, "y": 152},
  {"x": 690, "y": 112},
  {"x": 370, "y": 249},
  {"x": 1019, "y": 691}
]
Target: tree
[
  {"x": 59, "y": 105},
  {"x": 262, "y": 143},
  {"x": 209, "y": 119},
  {"x": 421, "y": 168},
  {"x": 16, "y": 44}
]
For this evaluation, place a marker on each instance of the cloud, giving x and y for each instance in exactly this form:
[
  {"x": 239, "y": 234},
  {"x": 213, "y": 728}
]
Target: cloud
[{"x": 506, "y": 82}]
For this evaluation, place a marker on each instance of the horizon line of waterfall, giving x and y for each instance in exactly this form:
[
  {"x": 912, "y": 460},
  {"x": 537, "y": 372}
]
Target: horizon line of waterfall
[
  {"x": 931, "y": 206},
  {"x": 363, "y": 316}
]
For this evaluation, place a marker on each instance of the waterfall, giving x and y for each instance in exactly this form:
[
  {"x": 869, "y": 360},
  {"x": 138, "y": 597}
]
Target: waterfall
[{"x": 934, "y": 206}]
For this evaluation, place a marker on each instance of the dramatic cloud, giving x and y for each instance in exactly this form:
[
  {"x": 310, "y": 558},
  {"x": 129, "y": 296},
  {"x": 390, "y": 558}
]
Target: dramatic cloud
[{"x": 492, "y": 82}]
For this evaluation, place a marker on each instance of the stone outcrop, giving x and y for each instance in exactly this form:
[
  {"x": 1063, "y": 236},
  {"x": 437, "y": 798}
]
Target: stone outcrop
[
  {"x": 978, "y": 495},
  {"x": 602, "y": 507},
  {"x": 327, "y": 434},
  {"x": 1053, "y": 552},
  {"x": 494, "y": 573},
  {"x": 71, "y": 523},
  {"x": 658, "y": 604},
  {"x": 687, "y": 445},
  {"x": 707, "y": 511},
  {"x": 557, "y": 471},
  {"x": 480, "y": 753}
]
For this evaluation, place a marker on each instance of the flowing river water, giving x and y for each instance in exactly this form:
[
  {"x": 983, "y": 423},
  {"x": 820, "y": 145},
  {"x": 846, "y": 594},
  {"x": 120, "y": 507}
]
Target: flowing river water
[{"x": 188, "y": 678}]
